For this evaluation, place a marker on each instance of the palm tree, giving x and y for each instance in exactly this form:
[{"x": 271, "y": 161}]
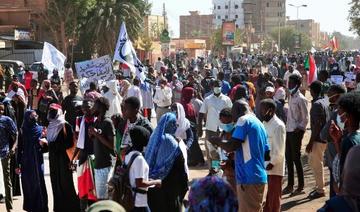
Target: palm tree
[{"x": 104, "y": 22}]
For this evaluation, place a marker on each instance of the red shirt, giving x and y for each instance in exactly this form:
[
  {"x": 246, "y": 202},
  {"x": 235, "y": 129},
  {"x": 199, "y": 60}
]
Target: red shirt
[{"x": 27, "y": 80}]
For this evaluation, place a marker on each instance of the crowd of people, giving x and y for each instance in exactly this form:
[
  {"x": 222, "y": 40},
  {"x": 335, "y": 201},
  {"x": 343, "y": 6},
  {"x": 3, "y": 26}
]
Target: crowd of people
[{"x": 254, "y": 111}]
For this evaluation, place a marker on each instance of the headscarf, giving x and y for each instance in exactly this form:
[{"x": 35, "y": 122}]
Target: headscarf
[
  {"x": 163, "y": 148},
  {"x": 30, "y": 129},
  {"x": 56, "y": 124},
  {"x": 125, "y": 85},
  {"x": 45, "y": 82},
  {"x": 351, "y": 178},
  {"x": 212, "y": 192},
  {"x": 114, "y": 98},
  {"x": 182, "y": 122},
  {"x": 186, "y": 96}
]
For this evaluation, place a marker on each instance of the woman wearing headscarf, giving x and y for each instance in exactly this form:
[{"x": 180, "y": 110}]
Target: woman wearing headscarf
[
  {"x": 125, "y": 85},
  {"x": 195, "y": 154},
  {"x": 349, "y": 197},
  {"x": 31, "y": 165},
  {"x": 114, "y": 98},
  {"x": 60, "y": 138},
  {"x": 46, "y": 96},
  {"x": 166, "y": 157},
  {"x": 212, "y": 193}
]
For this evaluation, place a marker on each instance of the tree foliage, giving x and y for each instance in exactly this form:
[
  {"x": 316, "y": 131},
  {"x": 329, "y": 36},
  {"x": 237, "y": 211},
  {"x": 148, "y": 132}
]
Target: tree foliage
[
  {"x": 216, "y": 40},
  {"x": 354, "y": 16},
  {"x": 288, "y": 36}
]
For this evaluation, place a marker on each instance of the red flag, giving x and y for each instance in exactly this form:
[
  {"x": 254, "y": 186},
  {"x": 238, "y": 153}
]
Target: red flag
[
  {"x": 334, "y": 44},
  {"x": 312, "y": 70}
]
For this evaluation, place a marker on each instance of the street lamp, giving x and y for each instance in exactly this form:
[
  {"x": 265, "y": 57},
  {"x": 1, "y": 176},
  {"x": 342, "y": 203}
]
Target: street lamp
[{"x": 297, "y": 13}]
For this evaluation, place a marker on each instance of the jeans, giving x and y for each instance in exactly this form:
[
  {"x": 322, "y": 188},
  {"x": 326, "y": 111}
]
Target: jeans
[
  {"x": 211, "y": 152},
  {"x": 292, "y": 156},
  {"x": 101, "y": 179},
  {"x": 5, "y": 162},
  {"x": 141, "y": 209}
]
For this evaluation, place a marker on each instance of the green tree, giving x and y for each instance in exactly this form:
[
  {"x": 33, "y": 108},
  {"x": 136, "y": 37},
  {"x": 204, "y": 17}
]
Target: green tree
[
  {"x": 216, "y": 40},
  {"x": 288, "y": 37},
  {"x": 354, "y": 16},
  {"x": 147, "y": 44}
]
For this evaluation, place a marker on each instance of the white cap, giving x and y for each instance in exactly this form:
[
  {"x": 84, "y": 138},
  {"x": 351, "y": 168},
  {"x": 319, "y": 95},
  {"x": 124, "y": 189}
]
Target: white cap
[{"x": 270, "y": 89}]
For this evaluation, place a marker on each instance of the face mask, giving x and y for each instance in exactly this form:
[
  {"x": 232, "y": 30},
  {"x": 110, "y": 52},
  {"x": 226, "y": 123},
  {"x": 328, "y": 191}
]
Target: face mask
[
  {"x": 267, "y": 117},
  {"x": 339, "y": 122},
  {"x": 227, "y": 127},
  {"x": 217, "y": 90},
  {"x": 293, "y": 90}
]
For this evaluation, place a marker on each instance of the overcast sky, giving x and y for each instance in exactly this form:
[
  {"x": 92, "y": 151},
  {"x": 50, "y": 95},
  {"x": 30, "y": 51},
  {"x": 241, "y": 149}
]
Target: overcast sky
[{"x": 332, "y": 14}]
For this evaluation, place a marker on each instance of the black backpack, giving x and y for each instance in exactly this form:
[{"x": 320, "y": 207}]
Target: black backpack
[{"x": 120, "y": 189}]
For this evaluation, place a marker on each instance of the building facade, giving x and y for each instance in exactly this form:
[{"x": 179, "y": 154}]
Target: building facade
[
  {"x": 308, "y": 27},
  {"x": 228, "y": 10},
  {"x": 23, "y": 15},
  {"x": 154, "y": 25},
  {"x": 196, "y": 25},
  {"x": 259, "y": 16}
]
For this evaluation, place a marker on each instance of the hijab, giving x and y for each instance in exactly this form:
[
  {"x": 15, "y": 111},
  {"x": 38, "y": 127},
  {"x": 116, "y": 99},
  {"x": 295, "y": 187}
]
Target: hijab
[
  {"x": 182, "y": 122},
  {"x": 163, "y": 148},
  {"x": 30, "y": 128},
  {"x": 186, "y": 96},
  {"x": 56, "y": 124},
  {"x": 114, "y": 98},
  {"x": 212, "y": 192}
]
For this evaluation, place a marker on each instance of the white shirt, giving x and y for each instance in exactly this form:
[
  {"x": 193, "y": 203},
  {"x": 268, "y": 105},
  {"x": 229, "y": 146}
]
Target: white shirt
[
  {"x": 276, "y": 132},
  {"x": 135, "y": 91},
  {"x": 298, "y": 114},
  {"x": 139, "y": 169},
  {"x": 163, "y": 96},
  {"x": 158, "y": 65},
  {"x": 211, "y": 107}
]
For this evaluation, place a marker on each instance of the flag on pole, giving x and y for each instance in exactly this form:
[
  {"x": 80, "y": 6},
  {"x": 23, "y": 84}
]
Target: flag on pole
[
  {"x": 53, "y": 58},
  {"x": 311, "y": 66},
  {"x": 334, "y": 44},
  {"x": 126, "y": 54}
]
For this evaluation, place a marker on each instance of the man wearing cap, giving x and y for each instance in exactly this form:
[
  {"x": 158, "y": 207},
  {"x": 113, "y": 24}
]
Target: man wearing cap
[{"x": 280, "y": 112}]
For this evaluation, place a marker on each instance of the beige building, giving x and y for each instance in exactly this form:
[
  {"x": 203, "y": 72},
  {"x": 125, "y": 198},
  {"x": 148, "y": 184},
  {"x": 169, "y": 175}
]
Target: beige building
[
  {"x": 154, "y": 25},
  {"x": 196, "y": 25},
  {"x": 264, "y": 15},
  {"x": 308, "y": 27}
]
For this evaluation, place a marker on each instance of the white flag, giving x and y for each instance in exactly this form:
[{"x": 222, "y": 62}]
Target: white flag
[
  {"x": 53, "y": 58},
  {"x": 125, "y": 53}
]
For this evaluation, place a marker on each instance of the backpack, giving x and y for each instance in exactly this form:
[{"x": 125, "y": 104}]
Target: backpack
[{"x": 119, "y": 186}]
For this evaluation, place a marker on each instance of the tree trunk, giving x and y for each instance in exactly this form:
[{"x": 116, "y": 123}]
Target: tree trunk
[{"x": 63, "y": 38}]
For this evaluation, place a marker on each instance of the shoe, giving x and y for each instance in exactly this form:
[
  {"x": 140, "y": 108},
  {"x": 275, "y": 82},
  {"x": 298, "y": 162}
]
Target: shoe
[
  {"x": 316, "y": 195},
  {"x": 298, "y": 191},
  {"x": 288, "y": 190}
]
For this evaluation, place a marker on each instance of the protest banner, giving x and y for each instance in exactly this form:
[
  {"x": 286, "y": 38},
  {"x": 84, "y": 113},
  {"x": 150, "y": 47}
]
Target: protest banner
[
  {"x": 337, "y": 79},
  {"x": 53, "y": 58},
  {"x": 98, "y": 70}
]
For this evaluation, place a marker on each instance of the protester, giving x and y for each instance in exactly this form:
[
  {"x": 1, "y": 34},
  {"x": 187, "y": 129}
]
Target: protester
[
  {"x": 60, "y": 138},
  {"x": 166, "y": 157},
  {"x": 297, "y": 120},
  {"x": 33, "y": 95},
  {"x": 71, "y": 104},
  {"x": 212, "y": 193},
  {"x": 275, "y": 168},
  {"x": 135, "y": 91},
  {"x": 68, "y": 75},
  {"x": 55, "y": 78},
  {"x": 47, "y": 96},
  {"x": 84, "y": 151},
  {"x": 334, "y": 93},
  {"x": 250, "y": 142},
  {"x": 211, "y": 108},
  {"x": 8, "y": 145},
  {"x": 102, "y": 134},
  {"x": 31, "y": 164},
  {"x": 139, "y": 170},
  {"x": 92, "y": 93},
  {"x": 316, "y": 147},
  {"x": 162, "y": 99},
  {"x": 114, "y": 98},
  {"x": 28, "y": 76}
]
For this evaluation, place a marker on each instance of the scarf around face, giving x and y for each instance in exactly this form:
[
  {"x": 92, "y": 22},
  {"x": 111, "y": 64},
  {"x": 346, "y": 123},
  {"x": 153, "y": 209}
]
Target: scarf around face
[{"x": 55, "y": 126}]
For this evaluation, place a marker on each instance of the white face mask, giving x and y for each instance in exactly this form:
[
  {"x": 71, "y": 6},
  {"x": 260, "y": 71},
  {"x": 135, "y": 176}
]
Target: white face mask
[
  {"x": 340, "y": 123},
  {"x": 217, "y": 90}
]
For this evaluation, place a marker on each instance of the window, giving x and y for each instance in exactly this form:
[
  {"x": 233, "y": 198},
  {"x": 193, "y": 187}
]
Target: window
[
  {"x": 267, "y": 4},
  {"x": 301, "y": 25},
  {"x": 236, "y": 16},
  {"x": 226, "y": 17},
  {"x": 280, "y": 4},
  {"x": 226, "y": 7},
  {"x": 219, "y": 17},
  {"x": 236, "y": 6},
  {"x": 219, "y": 7},
  {"x": 237, "y": 26},
  {"x": 214, "y": 7}
]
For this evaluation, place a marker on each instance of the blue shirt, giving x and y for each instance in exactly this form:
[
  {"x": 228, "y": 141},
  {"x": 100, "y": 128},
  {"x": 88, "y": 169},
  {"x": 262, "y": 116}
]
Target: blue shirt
[
  {"x": 249, "y": 160},
  {"x": 7, "y": 129},
  {"x": 225, "y": 88}
]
